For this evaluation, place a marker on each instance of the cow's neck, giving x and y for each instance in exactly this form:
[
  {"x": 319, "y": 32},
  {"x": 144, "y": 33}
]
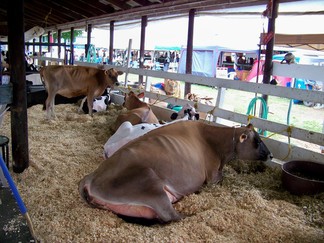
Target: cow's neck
[
  {"x": 138, "y": 104},
  {"x": 223, "y": 141}
]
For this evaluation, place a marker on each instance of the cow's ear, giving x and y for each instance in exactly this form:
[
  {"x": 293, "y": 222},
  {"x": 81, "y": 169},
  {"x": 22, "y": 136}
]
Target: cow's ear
[
  {"x": 250, "y": 126},
  {"x": 101, "y": 67},
  {"x": 120, "y": 72},
  {"x": 140, "y": 95},
  {"x": 243, "y": 137}
]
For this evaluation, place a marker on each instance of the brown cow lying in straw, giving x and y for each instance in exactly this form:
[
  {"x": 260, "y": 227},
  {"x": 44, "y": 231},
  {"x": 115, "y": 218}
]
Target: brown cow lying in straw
[
  {"x": 138, "y": 111},
  {"x": 147, "y": 175}
]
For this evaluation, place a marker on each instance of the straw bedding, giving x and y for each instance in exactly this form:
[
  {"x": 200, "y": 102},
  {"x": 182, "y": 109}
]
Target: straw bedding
[{"x": 249, "y": 206}]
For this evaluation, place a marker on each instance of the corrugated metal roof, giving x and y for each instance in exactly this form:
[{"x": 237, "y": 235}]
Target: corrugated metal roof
[{"x": 60, "y": 14}]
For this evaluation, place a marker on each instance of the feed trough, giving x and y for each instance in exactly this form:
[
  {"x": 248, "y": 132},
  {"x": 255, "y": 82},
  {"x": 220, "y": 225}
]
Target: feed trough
[{"x": 303, "y": 177}]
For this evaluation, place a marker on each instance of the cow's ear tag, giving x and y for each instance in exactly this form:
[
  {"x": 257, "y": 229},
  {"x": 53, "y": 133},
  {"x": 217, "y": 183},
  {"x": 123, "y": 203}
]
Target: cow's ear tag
[
  {"x": 140, "y": 95},
  {"x": 243, "y": 137}
]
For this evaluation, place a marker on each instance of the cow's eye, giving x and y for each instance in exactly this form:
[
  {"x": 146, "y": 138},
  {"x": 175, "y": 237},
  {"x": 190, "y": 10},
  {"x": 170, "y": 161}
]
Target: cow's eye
[{"x": 257, "y": 142}]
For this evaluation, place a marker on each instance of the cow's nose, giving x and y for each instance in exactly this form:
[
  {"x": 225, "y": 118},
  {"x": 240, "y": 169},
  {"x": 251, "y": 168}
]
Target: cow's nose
[{"x": 271, "y": 156}]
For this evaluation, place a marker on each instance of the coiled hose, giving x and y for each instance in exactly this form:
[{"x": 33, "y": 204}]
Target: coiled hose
[{"x": 251, "y": 110}]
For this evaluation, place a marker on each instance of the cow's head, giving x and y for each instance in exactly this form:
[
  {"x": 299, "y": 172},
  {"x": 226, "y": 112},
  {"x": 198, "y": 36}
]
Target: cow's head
[
  {"x": 112, "y": 74},
  {"x": 249, "y": 146},
  {"x": 131, "y": 100},
  {"x": 171, "y": 87}
]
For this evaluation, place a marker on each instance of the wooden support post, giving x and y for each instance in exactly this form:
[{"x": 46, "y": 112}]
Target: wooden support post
[
  {"x": 272, "y": 10},
  {"x": 49, "y": 40},
  {"x": 40, "y": 46},
  {"x": 16, "y": 46},
  {"x": 89, "y": 29},
  {"x": 41, "y": 63},
  {"x": 189, "y": 48},
  {"x": 273, "y": 7},
  {"x": 142, "y": 46},
  {"x": 34, "y": 49},
  {"x": 59, "y": 36},
  {"x": 72, "y": 47},
  {"x": 111, "y": 42},
  {"x": 128, "y": 60}
]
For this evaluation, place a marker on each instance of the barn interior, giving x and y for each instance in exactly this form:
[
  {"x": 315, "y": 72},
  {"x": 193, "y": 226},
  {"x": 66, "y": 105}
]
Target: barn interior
[{"x": 53, "y": 15}]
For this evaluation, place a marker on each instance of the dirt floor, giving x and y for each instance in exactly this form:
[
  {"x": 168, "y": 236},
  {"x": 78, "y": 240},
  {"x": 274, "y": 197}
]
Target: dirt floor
[{"x": 247, "y": 207}]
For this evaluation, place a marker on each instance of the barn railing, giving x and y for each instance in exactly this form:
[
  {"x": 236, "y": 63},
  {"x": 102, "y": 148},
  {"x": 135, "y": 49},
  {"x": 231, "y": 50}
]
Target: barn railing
[{"x": 282, "y": 150}]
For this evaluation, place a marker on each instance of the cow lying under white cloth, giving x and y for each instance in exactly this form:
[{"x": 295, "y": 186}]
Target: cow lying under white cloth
[
  {"x": 187, "y": 112},
  {"x": 128, "y": 132},
  {"x": 99, "y": 104}
]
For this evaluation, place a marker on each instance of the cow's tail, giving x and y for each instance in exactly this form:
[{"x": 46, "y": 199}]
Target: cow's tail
[{"x": 41, "y": 74}]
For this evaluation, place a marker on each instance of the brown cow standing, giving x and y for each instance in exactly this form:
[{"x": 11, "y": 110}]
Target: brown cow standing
[
  {"x": 144, "y": 177},
  {"x": 138, "y": 111},
  {"x": 72, "y": 81}
]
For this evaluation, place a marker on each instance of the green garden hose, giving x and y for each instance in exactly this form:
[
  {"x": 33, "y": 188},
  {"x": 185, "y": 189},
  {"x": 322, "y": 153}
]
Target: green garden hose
[{"x": 251, "y": 110}]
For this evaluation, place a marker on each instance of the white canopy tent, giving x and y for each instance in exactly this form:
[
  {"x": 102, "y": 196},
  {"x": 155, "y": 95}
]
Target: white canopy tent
[
  {"x": 305, "y": 41},
  {"x": 240, "y": 27}
]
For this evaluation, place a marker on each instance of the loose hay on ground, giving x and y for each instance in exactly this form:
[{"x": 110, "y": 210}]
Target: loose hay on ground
[{"x": 247, "y": 207}]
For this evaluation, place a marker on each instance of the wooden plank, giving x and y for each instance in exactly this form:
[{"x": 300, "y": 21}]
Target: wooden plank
[
  {"x": 6, "y": 94},
  {"x": 287, "y": 152},
  {"x": 282, "y": 151},
  {"x": 52, "y": 59},
  {"x": 273, "y": 127},
  {"x": 301, "y": 71},
  {"x": 268, "y": 89},
  {"x": 301, "y": 39}
]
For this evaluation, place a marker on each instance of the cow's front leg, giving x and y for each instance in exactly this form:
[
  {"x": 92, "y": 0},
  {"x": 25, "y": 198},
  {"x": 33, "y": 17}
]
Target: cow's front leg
[
  {"x": 53, "y": 108},
  {"x": 81, "y": 105},
  {"x": 49, "y": 103},
  {"x": 90, "y": 104}
]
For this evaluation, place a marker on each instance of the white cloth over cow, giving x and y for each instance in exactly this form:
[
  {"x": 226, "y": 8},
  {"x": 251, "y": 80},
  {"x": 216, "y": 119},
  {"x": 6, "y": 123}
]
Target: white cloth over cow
[{"x": 128, "y": 132}]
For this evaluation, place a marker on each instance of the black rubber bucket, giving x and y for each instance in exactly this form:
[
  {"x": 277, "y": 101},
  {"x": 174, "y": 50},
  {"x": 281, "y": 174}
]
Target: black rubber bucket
[{"x": 303, "y": 177}]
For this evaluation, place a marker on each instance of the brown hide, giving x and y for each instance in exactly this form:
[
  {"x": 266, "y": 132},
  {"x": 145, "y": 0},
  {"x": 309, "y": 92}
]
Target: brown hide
[
  {"x": 138, "y": 111},
  {"x": 72, "y": 81},
  {"x": 144, "y": 177}
]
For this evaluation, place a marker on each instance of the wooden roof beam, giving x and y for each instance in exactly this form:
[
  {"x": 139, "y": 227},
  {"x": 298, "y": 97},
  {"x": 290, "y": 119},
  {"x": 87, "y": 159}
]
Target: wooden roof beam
[
  {"x": 101, "y": 7},
  {"x": 142, "y": 2},
  {"x": 52, "y": 14},
  {"x": 84, "y": 8},
  {"x": 120, "y": 5}
]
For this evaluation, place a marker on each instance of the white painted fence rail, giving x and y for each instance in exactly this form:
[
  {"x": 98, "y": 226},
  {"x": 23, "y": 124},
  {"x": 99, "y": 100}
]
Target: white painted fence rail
[{"x": 283, "y": 151}]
